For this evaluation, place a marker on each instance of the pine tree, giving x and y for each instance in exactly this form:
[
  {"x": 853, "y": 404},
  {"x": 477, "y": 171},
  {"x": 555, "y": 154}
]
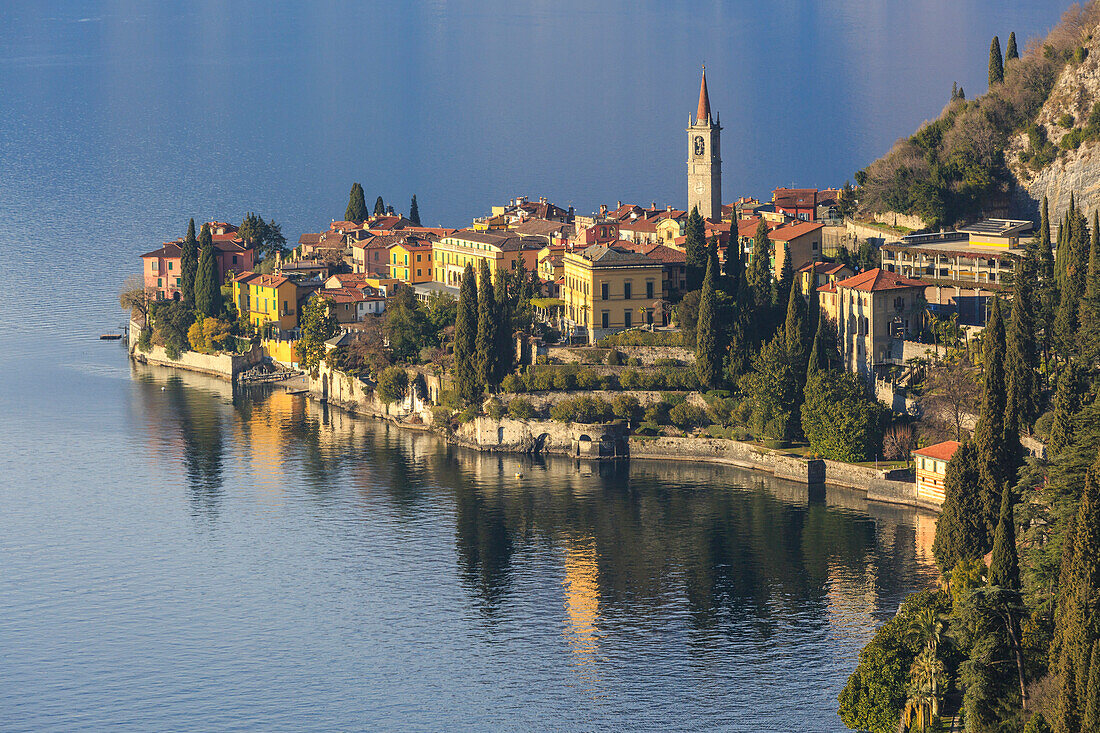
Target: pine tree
[
  {"x": 708, "y": 348},
  {"x": 996, "y": 63},
  {"x": 1010, "y": 51},
  {"x": 989, "y": 434},
  {"x": 1088, "y": 335},
  {"x": 695, "y": 245},
  {"x": 189, "y": 264},
  {"x": 760, "y": 270},
  {"x": 1004, "y": 565},
  {"x": 414, "y": 211},
  {"x": 208, "y": 291},
  {"x": 960, "y": 530},
  {"x": 485, "y": 345},
  {"x": 786, "y": 278},
  {"x": 1066, "y": 403},
  {"x": 465, "y": 380},
  {"x": 1021, "y": 359},
  {"x": 379, "y": 207},
  {"x": 357, "y": 205}
]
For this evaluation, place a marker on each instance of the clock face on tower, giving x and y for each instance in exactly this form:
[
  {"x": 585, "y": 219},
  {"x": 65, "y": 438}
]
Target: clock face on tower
[
  {"x": 700, "y": 188},
  {"x": 699, "y": 145}
]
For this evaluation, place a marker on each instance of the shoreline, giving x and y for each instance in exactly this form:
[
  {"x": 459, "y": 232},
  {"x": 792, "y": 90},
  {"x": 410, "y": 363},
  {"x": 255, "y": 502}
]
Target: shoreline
[{"x": 579, "y": 441}]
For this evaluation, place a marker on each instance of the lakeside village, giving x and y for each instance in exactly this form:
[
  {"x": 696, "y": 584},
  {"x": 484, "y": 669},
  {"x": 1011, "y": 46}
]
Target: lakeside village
[{"x": 788, "y": 336}]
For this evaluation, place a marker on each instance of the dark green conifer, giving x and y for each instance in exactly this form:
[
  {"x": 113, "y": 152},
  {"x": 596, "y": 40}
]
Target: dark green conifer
[
  {"x": 1011, "y": 52},
  {"x": 990, "y": 431},
  {"x": 357, "y": 205},
  {"x": 1004, "y": 564},
  {"x": 189, "y": 264},
  {"x": 1066, "y": 403},
  {"x": 485, "y": 345},
  {"x": 960, "y": 529},
  {"x": 1021, "y": 358},
  {"x": 796, "y": 332},
  {"x": 786, "y": 278},
  {"x": 1076, "y": 248},
  {"x": 505, "y": 356},
  {"x": 465, "y": 380},
  {"x": 414, "y": 211},
  {"x": 734, "y": 266},
  {"x": 1088, "y": 335},
  {"x": 695, "y": 249},
  {"x": 379, "y": 207},
  {"x": 760, "y": 270},
  {"x": 996, "y": 63},
  {"x": 708, "y": 347},
  {"x": 1091, "y": 718},
  {"x": 208, "y": 291}
]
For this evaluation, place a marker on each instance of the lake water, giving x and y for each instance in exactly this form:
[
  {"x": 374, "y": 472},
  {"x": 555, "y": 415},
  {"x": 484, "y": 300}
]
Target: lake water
[{"x": 175, "y": 556}]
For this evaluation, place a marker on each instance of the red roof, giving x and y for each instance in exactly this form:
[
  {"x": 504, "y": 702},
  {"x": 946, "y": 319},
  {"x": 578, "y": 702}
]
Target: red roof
[
  {"x": 879, "y": 279},
  {"x": 747, "y": 227},
  {"x": 665, "y": 254},
  {"x": 825, "y": 268},
  {"x": 797, "y": 198},
  {"x": 940, "y": 451},
  {"x": 788, "y": 232}
]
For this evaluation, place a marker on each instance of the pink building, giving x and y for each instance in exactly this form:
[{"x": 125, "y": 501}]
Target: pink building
[{"x": 161, "y": 268}]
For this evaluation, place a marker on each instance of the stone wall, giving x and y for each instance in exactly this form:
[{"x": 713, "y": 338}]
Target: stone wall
[
  {"x": 648, "y": 355},
  {"x": 226, "y": 366},
  {"x": 543, "y": 436},
  {"x": 879, "y": 485},
  {"x": 357, "y": 395},
  {"x": 732, "y": 452},
  {"x": 543, "y": 401}
]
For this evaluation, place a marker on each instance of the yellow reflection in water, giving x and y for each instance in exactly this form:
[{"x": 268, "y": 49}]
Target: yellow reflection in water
[
  {"x": 582, "y": 607},
  {"x": 926, "y": 534}
]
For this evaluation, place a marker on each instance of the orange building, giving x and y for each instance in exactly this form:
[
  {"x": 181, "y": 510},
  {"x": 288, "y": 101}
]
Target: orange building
[{"x": 931, "y": 469}]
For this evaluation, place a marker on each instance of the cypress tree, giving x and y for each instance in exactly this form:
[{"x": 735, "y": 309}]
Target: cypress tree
[
  {"x": 486, "y": 342},
  {"x": 1021, "y": 359},
  {"x": 760, "y": 270},
  {"x": 465, "y": 380},
  {"x": 960, "y": 530},
  {"x": 414, "y": 211},
  {"x": 189, "y": 264},
  {"x": 1011, "y": 51},
  {"x": 1004, "y": 565},
  {"x": 379, "y": 207},
  {"x": 818, "y": 358},
  {"x": 990, "y": 431},
  {"x": 795, "y": 332},
  {"x": 357, "y": 205},
  {"x": 1091, "y": 719},
  {"x": 1076, "y": 248},
  {"x": 1075, "y": 630},
  {"x": 505, "y": 347},
  {"x": 208, "y": 292},
  {"x": 695, "y": 249},
  {"x": 786, "y": 277},
  {"x": 734, "y": 266},
  {"x": 708, "y": 351},
  {"x": 996, "y": 63},
  {"x": 1066, "y": 403},
  {"x": 1088, "y": 335}
]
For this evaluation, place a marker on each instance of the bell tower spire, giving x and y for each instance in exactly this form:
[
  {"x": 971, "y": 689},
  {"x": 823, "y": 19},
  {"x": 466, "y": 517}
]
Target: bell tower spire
[{"x": 704, "y": 158}]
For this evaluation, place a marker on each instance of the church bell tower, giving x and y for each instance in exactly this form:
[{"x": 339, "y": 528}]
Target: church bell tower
[{"x": 704, "y": 159}]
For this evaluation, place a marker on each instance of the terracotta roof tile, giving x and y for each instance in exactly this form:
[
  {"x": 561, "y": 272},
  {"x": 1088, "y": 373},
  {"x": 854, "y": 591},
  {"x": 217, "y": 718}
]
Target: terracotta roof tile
[
  {"x": 879, "y": 279},
  {"x": 940, "y": 451}
]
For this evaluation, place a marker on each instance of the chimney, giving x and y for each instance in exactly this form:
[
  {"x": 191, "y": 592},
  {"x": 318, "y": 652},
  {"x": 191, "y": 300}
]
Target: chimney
[
  {"x": 668, "y": 208},
  {"x": 653, "y": 206},
  {"x": 603, "y": 209},
  {"x": 618, "y": 204}
]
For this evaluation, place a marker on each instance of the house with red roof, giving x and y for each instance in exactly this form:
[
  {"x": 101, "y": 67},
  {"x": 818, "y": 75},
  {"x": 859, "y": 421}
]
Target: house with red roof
[
  {"x": 874, "y": 312},
  {"x": 801, "y": 203},
  {"x": 931, "y": 462},
  {"x": 160, "y": 268}
]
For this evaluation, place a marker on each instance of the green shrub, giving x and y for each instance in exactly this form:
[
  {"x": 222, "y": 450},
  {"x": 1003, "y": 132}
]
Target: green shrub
[
  {"x": 466, "y": 415},
  {"x": 540, "y": 381},
  {"x": 494, "y": 408},
  {"x": 648, "y": 428},
  {"x": 667, "y": 362},
  {"x": 520, "y": 409},
  {"x": 393, "y": 385},
  {"x": 512, "y": 384},
  {"x": 642, "y": 338},
  {"x": 583, "y": 409},
  {"x": 840, "y": 420},
  {"x": 172, "y": 350},
  {"x": 1066, "y": 120},
  {"x": 673, "y": 399},
  {"x": 441, "y": 415},
  {"x": 544, "y": 359},
  {"x": 587, "y": 379},
  {"x": 564, "y": 380},
  {"x": 614, "y": 357},
  {"x": 630, "y": 379},
  {"x": 716, "y": 431},
  {"x": 658, "y": 413},
  {"x": 634, "y": 361},
  {"x": 609, "y": 382},
  {"x": 450, "y": 399},
  {"x": 145, "y": 340},
  {"x": 1080, "y": 54},
  {"x": 626, "y": 407},
  {"x": 686, "y": 416}
]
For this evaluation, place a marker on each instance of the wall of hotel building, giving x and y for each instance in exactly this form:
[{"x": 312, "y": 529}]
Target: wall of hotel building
[{"x": 969, "y": 303}]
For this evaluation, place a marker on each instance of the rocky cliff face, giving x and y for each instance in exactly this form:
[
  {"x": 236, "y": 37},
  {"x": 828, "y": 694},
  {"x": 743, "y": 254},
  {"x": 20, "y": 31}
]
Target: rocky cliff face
[{"x": 1077, "y": 172}]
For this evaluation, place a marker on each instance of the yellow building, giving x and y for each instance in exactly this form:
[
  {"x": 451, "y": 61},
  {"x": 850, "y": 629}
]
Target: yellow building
[
  {"x": 501, "y": 249},
  {"x": 931, "y": 469},
  {"x": 1002, "y": 233},
  {"x": 264, "y": 299},
  {"x": 497, "y": 221},
  {"x": 668, "y": 229},
  {"x": 606, "y": 290},
  {"x": 411, "y": 261}
]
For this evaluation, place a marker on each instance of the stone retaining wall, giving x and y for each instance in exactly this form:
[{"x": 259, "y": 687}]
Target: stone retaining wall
[
  {"x": 226, "y": 366},
  {"x": 648, "y": 355},
  {"x": 732, "y": 452}
]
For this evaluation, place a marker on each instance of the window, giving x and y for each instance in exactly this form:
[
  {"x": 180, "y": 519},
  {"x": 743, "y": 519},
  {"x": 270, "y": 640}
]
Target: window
[
  {"x": 177, "y": 282},
  {"x": 418, "y": 269},
  {"x": 160, "y": 283},
  {"x": 648, "y": 289},
  {"x": 626, "y": 290},
  {"x": 899, "y": 303},
  {"x": 605, "y": 318},
  {"x": 604, "y": 291},
  {"x": 153, "y": 265},
  {"x": 170, "y": 264},
  {"x": 627, "y": 318},
  {"x": 234, "y": 259}
]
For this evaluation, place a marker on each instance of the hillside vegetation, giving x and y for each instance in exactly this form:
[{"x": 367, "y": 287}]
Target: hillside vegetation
[{"x": 955, "y": 168}]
